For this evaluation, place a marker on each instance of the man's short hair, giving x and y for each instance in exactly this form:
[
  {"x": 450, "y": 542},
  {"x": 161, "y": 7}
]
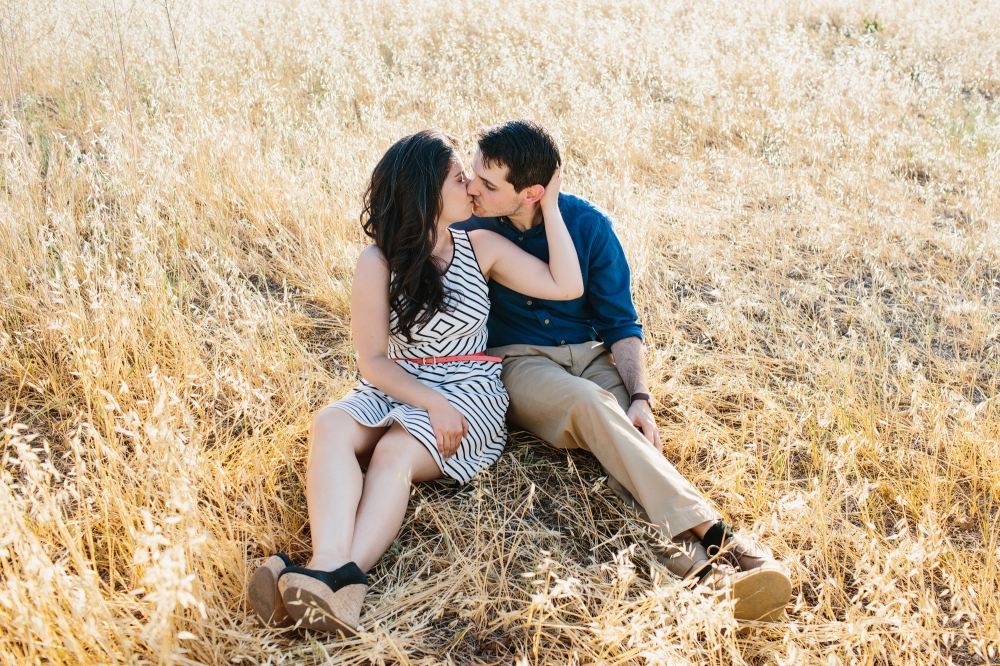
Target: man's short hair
[{"x": 523, "y": 146}]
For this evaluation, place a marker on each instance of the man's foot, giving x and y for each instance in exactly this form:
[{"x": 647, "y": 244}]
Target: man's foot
[
  {"x": 760, "y": 595},
  {"x": 263, "y": 592},
  {"x": 744, "y": 551},
  {"x": 684, "y": 558}
]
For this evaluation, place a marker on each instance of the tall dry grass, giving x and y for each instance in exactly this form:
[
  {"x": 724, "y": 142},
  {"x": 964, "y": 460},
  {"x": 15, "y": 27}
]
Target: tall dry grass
[{"x": 807, "y": 192}]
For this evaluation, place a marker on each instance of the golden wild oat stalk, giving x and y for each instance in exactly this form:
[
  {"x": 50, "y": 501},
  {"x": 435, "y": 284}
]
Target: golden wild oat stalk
[{"x": 807, "y": 193}]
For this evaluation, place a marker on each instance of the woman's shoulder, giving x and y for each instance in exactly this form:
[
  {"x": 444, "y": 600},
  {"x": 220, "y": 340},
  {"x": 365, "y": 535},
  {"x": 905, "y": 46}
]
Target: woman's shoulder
[
  {"x": 485, "y": 242},
  {"x": 371, "y": 253},
  {"x": 483, "y": 236},
  {"x": 371, "y": 261}
]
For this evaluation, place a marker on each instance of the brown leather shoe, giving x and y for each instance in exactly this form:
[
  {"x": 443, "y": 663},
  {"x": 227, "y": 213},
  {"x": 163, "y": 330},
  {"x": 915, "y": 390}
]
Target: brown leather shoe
[
  {"x": 683, "y": 558},
  {"x": 760, "y": 595},
  {"x": 747, "y": 553},
  {"x": 762, "y": 587}
]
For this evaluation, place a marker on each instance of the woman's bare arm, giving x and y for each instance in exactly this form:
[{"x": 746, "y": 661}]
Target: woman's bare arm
[
  {"x": 501, "y": 260},
  {"x": 370, "y": 329}
]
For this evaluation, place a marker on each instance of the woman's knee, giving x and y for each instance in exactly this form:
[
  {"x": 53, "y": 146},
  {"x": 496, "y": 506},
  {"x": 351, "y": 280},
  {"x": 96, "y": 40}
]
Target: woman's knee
[
  {"x": 328, "y": 421},
  {"x": 400, "y": 452},
  {"x": 332, "y": 427},
  {"x": 393, "y": 450}
]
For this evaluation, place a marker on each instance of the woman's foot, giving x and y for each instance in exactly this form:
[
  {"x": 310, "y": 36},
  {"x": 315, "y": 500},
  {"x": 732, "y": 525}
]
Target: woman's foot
[
  {"x": 324, "y": 600},
  {"x": 263, "y": 592}
]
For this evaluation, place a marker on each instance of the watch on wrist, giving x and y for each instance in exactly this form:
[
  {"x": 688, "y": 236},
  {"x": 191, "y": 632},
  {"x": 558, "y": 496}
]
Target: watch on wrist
[{"x": 642, "y": 396}]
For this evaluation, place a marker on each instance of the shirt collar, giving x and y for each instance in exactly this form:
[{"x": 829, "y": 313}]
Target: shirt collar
[{"x": 534, "y": 231}]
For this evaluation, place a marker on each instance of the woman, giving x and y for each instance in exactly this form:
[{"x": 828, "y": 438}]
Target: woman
[{"x": 429, "y": 403}]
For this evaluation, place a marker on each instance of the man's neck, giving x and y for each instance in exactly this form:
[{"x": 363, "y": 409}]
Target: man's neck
[{"x": 527, "y": 218}]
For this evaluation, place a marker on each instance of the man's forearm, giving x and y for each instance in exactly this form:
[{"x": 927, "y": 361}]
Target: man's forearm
[{"x": 631, "y": 364}]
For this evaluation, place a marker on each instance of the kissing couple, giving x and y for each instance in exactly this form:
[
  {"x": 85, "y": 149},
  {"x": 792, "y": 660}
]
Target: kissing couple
[{"x": 486, "y": 298}]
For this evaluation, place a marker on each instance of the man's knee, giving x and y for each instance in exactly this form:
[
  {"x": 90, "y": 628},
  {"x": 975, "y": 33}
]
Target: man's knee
[{"x": 590, "y": 399}]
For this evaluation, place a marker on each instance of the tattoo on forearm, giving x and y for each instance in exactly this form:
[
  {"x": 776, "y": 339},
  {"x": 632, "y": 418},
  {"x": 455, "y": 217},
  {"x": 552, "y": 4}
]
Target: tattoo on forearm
[{"x": 631, "y": 364}]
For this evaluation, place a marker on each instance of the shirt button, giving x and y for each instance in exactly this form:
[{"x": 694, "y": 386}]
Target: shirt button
[
  {"x": 546, "y": 321},
  {"x": 529, "y": 302},
  {"x": 520, "y": 238},
  {"x": 562, "y": 342}
]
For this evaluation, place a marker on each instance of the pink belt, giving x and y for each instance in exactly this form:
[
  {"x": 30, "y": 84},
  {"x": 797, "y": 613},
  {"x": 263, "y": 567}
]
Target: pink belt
[{"x": 434, "y": 360}]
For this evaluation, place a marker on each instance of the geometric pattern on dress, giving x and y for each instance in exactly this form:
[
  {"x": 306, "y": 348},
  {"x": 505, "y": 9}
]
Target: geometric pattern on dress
[{"x": 472, "y": 387}]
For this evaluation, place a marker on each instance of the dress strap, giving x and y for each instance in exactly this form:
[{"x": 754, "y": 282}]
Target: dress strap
[
  {"x": 465, "y": 254},
  {"x": 461, "y": 234},
  {"x": 462, "y": 240}
]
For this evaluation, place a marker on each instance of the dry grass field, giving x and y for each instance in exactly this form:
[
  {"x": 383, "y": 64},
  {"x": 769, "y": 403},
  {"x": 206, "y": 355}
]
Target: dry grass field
[{"x": 808, "y": 193}]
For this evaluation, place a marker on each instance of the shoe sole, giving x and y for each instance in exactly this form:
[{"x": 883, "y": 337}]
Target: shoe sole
[
  {"x": 761, "y": 596},
  {"x": 264, "y": 597},
  {"x": 313, "y": 605}
]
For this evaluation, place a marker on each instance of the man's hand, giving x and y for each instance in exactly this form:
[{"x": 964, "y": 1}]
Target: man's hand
[
  {"x": 641, "y": 417},
  {"x": 632, "y": 368}
]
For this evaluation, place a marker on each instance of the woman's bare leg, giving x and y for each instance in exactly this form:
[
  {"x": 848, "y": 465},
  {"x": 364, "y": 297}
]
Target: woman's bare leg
[
  {"x": 334, "y": 483},
  {"x": 398, "y": 460}
]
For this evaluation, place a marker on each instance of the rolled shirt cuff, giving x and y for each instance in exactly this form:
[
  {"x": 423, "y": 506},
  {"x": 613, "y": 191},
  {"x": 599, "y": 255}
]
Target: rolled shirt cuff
[{"x": 613, "y": 335}]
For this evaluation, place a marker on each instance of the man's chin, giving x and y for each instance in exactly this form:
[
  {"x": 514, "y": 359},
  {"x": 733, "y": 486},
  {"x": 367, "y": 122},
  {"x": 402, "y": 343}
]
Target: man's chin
[{"x": 483, "y": 211}]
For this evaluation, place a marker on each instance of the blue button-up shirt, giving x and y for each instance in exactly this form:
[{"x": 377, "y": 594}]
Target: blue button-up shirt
[{"x": 604, "y": 312}]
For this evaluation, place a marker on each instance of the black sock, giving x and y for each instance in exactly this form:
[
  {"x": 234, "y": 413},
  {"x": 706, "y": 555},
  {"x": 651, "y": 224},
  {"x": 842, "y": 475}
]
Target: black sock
[
  {"x": 704, "y": 571},
  {"x": 715, "y": 537}
]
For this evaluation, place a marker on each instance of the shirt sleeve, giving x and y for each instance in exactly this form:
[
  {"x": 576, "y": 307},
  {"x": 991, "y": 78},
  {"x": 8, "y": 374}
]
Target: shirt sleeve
[{"x": 609, "y": 290}]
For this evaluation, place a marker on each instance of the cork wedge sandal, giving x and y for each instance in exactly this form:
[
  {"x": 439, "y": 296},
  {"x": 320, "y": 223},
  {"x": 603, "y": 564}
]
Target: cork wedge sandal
[
  {"x": 263, "y": 592},
  {"x": 327, "y": 601}
]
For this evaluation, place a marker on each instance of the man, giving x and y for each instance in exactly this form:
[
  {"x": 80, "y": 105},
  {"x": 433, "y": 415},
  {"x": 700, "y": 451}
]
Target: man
[{"x": 576, "y": 375}]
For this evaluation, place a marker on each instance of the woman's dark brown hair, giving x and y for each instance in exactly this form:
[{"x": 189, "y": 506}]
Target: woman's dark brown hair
[{"x": 400, "y": 211}]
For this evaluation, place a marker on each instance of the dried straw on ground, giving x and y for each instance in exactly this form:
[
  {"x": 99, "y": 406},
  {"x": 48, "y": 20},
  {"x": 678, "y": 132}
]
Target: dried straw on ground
[{"x": 807, "y": 192}]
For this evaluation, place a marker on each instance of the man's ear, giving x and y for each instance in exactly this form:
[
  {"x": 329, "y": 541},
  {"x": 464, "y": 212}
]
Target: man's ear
[{"x": 533, "y": 193}]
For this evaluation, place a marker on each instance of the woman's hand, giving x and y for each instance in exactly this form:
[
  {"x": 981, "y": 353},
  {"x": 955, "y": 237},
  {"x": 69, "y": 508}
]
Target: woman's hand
[
  {"x": 551, "y": 196},
  {"x": 450, "y": 427},
  {"x": 370, "y": 327},
  {"x": 501, "y": 260}
]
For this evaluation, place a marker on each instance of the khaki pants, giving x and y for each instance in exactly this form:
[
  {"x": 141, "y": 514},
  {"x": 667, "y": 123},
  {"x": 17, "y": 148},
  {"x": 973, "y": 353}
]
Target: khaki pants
[{"x": 573, "y": 397}]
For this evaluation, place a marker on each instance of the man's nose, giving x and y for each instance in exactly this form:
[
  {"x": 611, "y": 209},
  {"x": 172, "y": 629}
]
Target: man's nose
[{"x": 472, "y": 186}]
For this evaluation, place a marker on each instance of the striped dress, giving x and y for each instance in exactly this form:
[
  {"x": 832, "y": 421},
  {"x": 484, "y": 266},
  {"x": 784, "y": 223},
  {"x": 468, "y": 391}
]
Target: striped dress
[{"x": 472, "y": 387}]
